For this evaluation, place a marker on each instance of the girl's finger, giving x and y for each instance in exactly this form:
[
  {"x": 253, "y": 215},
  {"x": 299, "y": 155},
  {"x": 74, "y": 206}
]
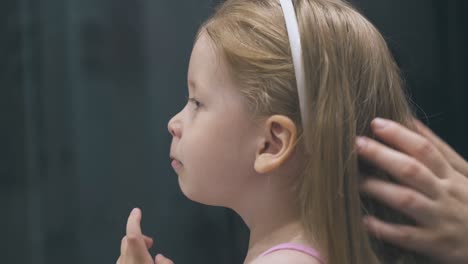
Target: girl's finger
[
  {"x": 409, "y": 202},
  {"x": 148, "y": 241},
  {"x": 408, "y": 237},
  {"x": 408, "y": 171},
  {"x": 412, "y": 144},
  {"x": 451, "y": 156},
  {"x": 133, "y": 223},
  {"x": 123, "y": 244},
  {"x": 136, "y": 246},
  {"x": 160, "y": 259}
]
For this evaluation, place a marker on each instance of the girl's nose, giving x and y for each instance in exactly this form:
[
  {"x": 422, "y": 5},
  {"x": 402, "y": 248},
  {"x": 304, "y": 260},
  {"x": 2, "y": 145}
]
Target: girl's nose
[{"x": 174, "y": 127}]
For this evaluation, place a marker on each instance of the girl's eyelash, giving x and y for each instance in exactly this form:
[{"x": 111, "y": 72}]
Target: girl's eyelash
[{"x": 194, "y": 101}]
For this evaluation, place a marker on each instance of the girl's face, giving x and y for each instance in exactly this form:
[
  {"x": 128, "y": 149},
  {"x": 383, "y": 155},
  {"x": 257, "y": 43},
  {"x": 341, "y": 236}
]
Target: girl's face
[{"x": 214, "y": 140}]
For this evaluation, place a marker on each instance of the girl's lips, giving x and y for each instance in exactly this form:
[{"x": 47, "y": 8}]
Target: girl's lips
[{"x": 176, "y": 164}]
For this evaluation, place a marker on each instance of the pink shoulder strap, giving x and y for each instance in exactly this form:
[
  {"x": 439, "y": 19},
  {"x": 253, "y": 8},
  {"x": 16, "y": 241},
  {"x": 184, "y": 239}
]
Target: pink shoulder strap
[{"x": 298, "y": 247}]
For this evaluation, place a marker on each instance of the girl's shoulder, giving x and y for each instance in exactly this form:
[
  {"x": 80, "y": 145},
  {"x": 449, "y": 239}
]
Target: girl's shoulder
[{"x": 286, "y": 256}]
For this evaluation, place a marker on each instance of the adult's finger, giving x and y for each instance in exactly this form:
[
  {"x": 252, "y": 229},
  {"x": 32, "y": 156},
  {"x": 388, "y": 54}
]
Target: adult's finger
[
  {"x": 408, "y": 237},
  {"x": 412, "y": 144},
  {"x": 404, "y": 199},
  {"x": 451, "y": 155},
  {"x": 409, "y": 170}
]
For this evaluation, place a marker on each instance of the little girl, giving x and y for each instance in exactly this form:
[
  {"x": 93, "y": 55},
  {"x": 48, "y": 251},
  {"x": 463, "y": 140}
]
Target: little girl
[{"x": 277, "y": 95}]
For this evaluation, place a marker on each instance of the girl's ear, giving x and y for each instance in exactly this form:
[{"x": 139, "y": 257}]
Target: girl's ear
[{"x": 276, "y": 144}]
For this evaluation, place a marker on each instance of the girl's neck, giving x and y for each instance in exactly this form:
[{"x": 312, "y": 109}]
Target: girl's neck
[{"x": 264, "y": 237}]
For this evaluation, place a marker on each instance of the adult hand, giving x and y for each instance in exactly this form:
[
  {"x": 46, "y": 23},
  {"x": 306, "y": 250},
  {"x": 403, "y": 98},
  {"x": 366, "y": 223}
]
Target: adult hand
[
  {"x": 433, "y": 190},
  {"x": 134, "y": 246}
]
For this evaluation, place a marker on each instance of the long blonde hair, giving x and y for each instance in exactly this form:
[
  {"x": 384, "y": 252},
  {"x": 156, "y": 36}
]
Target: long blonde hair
[{"x": 351, "y": 78}]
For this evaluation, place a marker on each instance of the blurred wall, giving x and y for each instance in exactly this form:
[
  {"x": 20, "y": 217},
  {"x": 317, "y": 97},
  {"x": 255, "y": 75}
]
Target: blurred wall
[{"x": 87, "y": 88}]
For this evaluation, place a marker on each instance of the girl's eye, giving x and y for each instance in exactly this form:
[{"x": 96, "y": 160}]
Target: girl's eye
[{"x": 195, "y": 102}]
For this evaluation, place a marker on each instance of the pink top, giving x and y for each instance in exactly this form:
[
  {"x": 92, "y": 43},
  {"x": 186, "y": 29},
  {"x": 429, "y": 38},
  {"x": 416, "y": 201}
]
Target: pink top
[{"x": 298, "y": 247}]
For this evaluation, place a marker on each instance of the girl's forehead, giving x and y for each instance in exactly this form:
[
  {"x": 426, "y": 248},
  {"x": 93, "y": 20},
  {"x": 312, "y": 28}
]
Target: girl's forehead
[
  {"x": 209, "y": 76},
  {"x": 206, "y": 66}
]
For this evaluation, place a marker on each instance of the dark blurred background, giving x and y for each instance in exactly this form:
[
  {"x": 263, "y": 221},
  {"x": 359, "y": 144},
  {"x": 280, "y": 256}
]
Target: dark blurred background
[{"x": 87, "y": 88}]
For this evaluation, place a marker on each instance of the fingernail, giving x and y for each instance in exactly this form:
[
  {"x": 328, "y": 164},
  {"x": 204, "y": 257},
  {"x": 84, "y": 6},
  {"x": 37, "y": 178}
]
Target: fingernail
[
  {"x": 361, "y": 142},
  {"x": 379, "y": 123},
  {"x": 134, "y": 211}
]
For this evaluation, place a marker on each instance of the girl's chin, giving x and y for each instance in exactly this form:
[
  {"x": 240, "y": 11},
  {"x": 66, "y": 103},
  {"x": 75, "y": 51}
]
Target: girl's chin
[{"x": 197, "y": 195}]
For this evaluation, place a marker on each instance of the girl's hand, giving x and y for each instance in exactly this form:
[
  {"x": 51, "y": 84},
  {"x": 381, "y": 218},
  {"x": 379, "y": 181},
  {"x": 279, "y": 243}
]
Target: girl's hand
[
  {"x": 433, "y": 190},
  {"x": 134, "y": 246}
]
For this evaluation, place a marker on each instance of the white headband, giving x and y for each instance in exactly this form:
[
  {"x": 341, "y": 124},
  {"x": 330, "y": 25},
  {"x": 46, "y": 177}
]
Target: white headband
[{"x": 296, "y": 51}]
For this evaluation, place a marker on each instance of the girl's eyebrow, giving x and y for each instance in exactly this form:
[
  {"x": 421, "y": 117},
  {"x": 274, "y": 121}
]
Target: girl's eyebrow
[{"x": 192, "y": 85}]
